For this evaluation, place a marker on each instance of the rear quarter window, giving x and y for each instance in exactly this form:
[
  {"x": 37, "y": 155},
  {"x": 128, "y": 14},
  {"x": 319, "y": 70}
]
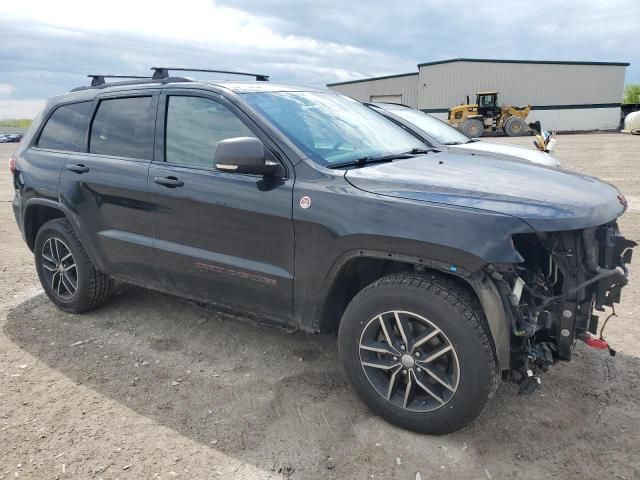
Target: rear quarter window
[
  {"x": 122, "y": 128},
  {"x": 66, "y": 128}
]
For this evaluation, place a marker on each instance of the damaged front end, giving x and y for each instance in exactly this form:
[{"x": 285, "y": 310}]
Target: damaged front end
[{"x": 551, "y": 298}]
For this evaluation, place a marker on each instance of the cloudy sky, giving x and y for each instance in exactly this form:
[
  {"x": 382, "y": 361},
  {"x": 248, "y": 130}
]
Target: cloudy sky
[{"x": 47, "y": 47}]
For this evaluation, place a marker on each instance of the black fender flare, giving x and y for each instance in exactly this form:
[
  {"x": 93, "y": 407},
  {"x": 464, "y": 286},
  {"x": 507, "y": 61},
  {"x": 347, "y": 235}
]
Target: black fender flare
[
  {"x": 497, "y": 318},
  {"x": 471, "y": 274},
  {"x": 75, "y": 221}
]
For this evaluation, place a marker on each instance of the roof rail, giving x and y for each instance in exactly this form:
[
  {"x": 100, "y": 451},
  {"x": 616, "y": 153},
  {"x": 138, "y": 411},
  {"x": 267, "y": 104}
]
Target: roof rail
[
  {"x": 160, "y": 73},
  {"x": 99, "y": 79}
]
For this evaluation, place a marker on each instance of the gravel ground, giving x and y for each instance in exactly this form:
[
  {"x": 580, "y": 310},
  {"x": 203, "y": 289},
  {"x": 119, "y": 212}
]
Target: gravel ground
[{"x": 153, "y": 387}]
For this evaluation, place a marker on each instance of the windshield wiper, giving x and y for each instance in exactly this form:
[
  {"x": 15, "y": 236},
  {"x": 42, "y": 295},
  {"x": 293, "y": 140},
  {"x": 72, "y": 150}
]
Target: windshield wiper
[
  {"x": 419, "y": 151},
  {"x": 453, "y": 143},
  {"x": 367, "y": 160}
]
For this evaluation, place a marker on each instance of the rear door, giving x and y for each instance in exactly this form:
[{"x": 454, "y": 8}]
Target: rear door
[
  {"x": 105, "y": 185},
  {"x": 64, "y": 131},
  {"x": 220, "y": 237}
]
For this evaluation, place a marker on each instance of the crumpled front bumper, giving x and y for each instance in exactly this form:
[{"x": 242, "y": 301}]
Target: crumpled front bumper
[{"x": 605, "y": 267}]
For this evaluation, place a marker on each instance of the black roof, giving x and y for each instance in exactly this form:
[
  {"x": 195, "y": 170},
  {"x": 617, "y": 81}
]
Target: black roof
[
  {"x": 87, "y": 93},
  {"x": 235, "y": 86}
]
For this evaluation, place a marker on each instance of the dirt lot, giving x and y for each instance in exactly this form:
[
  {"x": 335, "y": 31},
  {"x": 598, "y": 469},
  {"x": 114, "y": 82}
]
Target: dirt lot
[{"x": 153, "y": 387}]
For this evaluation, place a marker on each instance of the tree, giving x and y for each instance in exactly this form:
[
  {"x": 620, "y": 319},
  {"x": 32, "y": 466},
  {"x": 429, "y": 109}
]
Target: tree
[
  {"x": 631, "y": 93},
  {"x": 16, "y": 122}
]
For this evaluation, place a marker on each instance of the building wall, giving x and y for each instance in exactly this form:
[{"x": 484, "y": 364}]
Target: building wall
[
  {"x": 447, "y": 84},
  {"x": 563, "y": 96},
  {"x": 567, "y": 120},
  {"x": 404, "y": 86}
]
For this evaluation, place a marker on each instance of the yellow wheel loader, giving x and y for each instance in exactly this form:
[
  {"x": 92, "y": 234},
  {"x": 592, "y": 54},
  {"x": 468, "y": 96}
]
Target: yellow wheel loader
[{"x": 473, "y": 119}]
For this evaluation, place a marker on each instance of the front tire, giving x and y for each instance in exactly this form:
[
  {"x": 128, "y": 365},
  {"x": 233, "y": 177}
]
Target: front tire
[
  {"x": 515, "y": 127},
  {"x": 473, "y": 127},
  {"x": 418, "y": 352},
  {"x": 66, "y": 272}
]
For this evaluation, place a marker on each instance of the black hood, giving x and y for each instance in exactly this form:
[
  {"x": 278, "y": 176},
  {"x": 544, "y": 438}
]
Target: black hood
[{"x": 547, "y": 199}]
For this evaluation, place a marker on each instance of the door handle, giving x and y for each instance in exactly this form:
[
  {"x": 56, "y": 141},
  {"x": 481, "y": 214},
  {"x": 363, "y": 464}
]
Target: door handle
[
  {"x": 79, "y": 168},
  {"x": 171, "y": 182}
]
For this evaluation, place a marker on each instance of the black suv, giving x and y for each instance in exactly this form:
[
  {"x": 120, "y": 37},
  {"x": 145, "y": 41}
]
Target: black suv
[{"x": 440, "y": 272}]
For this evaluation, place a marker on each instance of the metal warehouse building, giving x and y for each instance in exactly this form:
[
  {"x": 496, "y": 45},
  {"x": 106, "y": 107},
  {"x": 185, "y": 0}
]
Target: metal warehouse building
[{"x": 564, "y": 95}]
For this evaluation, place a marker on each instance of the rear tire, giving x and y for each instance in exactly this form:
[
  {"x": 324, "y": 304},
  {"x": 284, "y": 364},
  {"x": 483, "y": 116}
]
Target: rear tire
[
  {"x": 435, "y": 386},
  {"x": 66, "y": 272},
  {"x": 473, "y": 127},
  {"x": 515, "y": 126}
]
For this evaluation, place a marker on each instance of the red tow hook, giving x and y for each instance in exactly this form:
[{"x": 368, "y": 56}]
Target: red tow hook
[{"x": 594, "y": 342}]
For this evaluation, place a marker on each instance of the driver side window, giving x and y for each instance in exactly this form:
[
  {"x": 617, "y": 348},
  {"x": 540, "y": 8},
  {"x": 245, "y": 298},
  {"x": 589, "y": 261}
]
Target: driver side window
[{"x": 194, "y": 126}]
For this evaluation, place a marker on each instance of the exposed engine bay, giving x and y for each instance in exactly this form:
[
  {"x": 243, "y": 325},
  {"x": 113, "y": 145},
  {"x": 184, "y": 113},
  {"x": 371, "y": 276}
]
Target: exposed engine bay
[{"x": 554, "y": 295}]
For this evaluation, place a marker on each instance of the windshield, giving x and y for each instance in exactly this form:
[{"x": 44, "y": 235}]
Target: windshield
[
  {"x": 331, "y": 128},
  {"x": 439, "y": 130}
]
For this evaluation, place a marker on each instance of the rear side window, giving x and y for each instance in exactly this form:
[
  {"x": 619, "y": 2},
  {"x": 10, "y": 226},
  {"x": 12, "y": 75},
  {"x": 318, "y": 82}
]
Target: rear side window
[
  {"x": 122, "y": 128},
  {"x": 195, "y": 125},
  {"x": 66, "y": 128}
]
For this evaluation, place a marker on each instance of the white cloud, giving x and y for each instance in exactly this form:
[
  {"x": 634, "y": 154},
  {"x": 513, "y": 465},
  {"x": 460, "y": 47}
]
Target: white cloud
[
  {"x": 20, "y": 108},
  {"x": 49, "y": 46},
  {"x": 6, "y": 89},
  {"x": 200, "y": 23}
]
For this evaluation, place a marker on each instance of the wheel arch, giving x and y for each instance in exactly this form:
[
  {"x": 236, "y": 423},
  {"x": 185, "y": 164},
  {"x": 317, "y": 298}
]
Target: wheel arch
[
  {"x": 38, "y": 211},
  {"x": 358, "y": 269}
]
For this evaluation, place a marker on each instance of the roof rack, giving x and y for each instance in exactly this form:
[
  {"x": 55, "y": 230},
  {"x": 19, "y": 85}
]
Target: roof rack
[
  {"x": 99, "y": 79},
  {"x": 160, "y": 73}
]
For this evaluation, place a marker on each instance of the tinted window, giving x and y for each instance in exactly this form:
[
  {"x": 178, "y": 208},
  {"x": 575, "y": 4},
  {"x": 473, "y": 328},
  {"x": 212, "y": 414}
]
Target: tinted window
[
  {"x": 66, "y": 128},
  {"x": 195, "y": 125},
  {"x": 122, "y": 128}
]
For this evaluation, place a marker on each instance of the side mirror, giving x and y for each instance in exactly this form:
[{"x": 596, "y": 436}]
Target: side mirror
[{"x": 243, "y": 155}]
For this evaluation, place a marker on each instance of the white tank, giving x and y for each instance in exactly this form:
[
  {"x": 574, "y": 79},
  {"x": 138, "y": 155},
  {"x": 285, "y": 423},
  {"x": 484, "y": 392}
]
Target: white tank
[
  {"x": 551, "y": 146},
  {"x": 632, "y": 123}
]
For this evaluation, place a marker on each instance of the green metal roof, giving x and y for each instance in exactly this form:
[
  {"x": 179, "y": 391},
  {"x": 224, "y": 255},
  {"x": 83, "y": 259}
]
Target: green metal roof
[
  {"x": 483, "y": 60},
  {"x": 537, "y": 62},
  {"x": 372, "y": 78}
]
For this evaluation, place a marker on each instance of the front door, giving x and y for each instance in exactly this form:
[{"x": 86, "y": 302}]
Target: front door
[{"x": 220, "y": 237}]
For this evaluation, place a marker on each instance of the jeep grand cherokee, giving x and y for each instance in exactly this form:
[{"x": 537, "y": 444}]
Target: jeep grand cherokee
[{"x": 439, "y": 271}]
